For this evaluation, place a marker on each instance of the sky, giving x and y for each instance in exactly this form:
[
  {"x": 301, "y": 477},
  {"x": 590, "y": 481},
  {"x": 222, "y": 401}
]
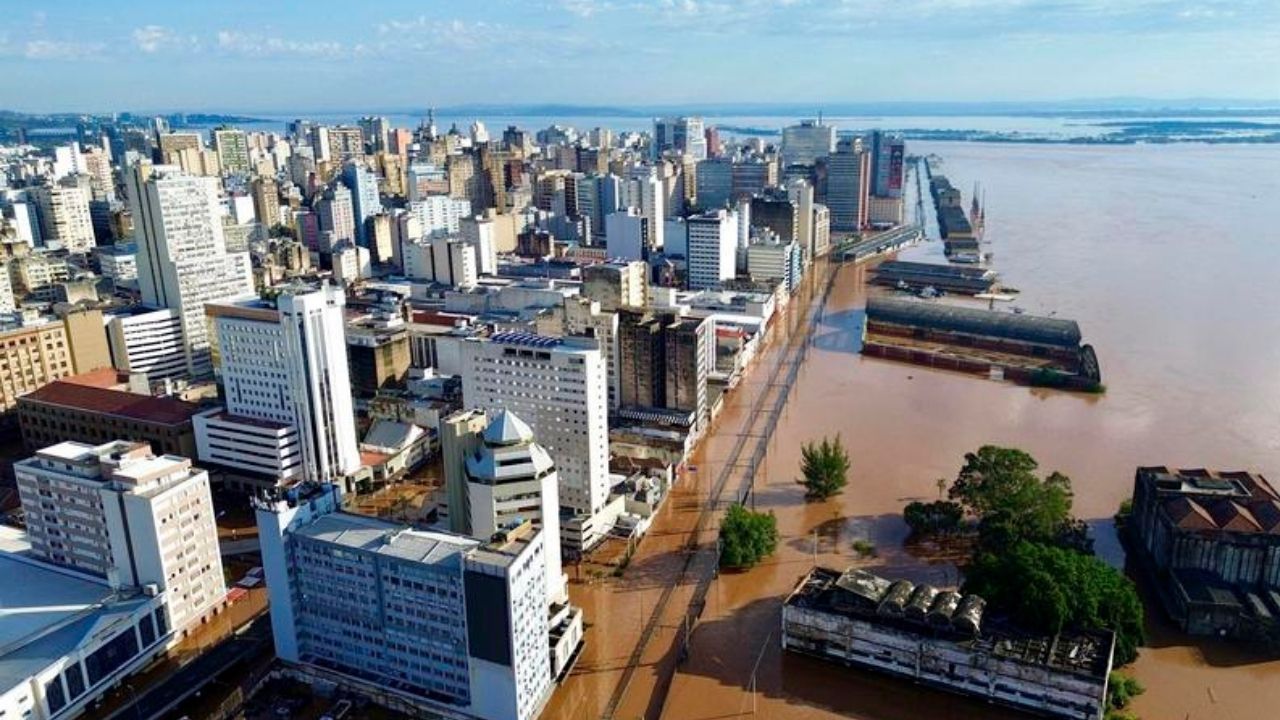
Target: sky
[{"x": 322, "y": 55}]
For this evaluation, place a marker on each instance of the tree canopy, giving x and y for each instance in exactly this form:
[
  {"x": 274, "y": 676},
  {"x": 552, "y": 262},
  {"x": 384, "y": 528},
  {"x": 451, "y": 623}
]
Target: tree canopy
[
  {"x": 825, "y": 466},
  {"x": 746, "y": 537},
  {"x": 1050, "y": 588},
  {"x": 938, "y": 517},
  {"x": 1000, "y": 489}
]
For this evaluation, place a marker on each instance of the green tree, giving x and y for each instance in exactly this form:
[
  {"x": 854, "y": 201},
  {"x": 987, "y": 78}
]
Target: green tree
[
  {"x": 938, "y": 517},
  {"x": 1048, "y": 588},
  {"x": 746, "y": 537},
  {"x": 825, "y": 466},
  {"x": 999, "y": 487}
]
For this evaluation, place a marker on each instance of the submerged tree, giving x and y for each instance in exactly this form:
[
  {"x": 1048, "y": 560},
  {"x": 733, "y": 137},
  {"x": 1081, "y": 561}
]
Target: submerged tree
[
  {"x": 999, "y": 487},
  {"x": 825, "y": 466},
  {"x": 746, "y": 537}
]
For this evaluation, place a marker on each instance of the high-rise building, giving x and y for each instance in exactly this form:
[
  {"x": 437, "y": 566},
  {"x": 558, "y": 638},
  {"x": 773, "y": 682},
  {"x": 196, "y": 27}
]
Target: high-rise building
[
  {"x": 800, "y": 193},
  {"x": 337, "y": 215},
  {"x": 557, "y": 385},
  {"x": 617, "y": 285},
  {"x": 821, "y": 230},
  {"x": 644, "y": 192},
  {"x": 887, "y": 157},
  {"x": 183, "y": 261},
  {"x": 364, "y": 196},
  {"x": 65, "y": 221},
  {"x": 345, "y": 142},
  {"x": 714, "y": 182},
  {"x": 147, "y": 341},
  {"x": 120, "y": 512},
  {"x": 681, "y": 134},
  {"x": 628, "y": 235},
  {"x": 510, "y": 479},
  {"x": 663, "y": 362},
  {"x": 460, "y": 436},
  {"x": 456, "y": 626},
  {"x": 289, "y": 414},
  {"x": 376, "y": 132},
  {"x": 172, "y": 144},
  {"x": 713, "y": 242},
  {"x": 266, "y": 201},
  {"x": 774, "y": 258},
  {"x": 848, "y": 185},
  {"x": 232, "y": 147},
  {"x": 808, "y": 142}
]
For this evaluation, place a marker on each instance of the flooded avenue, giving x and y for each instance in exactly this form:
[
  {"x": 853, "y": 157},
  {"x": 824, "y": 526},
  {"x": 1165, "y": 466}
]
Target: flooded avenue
[{"x": 1168, "y": 258}]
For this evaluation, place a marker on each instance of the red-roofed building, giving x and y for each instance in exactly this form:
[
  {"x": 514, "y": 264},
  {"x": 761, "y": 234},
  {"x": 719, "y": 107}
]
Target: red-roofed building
[{"x": 88, "y": 409}]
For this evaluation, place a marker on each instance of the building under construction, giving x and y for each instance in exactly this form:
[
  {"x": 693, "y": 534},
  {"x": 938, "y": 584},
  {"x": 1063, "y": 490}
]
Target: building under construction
[
  {"x": 1033, "y": 350},
  {"x": 944, "y": 639}
]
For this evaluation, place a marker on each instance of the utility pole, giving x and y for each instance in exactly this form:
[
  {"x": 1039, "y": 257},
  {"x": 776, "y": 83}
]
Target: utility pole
[{"x": 755, "y": 668}]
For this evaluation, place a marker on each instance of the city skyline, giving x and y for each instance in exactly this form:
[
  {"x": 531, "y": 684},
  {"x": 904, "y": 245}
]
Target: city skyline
[{"x": 236, "y": 56}]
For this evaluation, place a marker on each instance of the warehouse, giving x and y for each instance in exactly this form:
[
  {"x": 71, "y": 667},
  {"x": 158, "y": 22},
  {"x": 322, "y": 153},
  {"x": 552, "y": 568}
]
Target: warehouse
[
  {"x": 947, "y": 278},
  {"x": 943, "y": 639}
]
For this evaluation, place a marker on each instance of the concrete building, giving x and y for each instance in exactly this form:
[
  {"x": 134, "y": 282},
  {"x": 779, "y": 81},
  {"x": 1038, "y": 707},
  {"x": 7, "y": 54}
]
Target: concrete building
[
  {"x": 774, "y": 259},
  {"x": 337, "y": 215},
  {"x": 887, "y": 162},
  {"x": 939, "y": 638},
  {"x": 617, "y": 285},
  {"x": 558, "y": 386},
  {"x": 714, "y": 183},
  {"x": 366, "y": 202},
  {"x": 31, "y": 357},
  {"x": 1210, "y": 543},
  {"x": 848, "y": 185},
  {"x": 120, "y": 512},
  {"x": 266, "y": 201},
  {"x": 66, "y": 638},
  {"x": 284, "y": 369},
  {"x": 65, "y": 222},
  {"x": 424, "y": 622},
  {"x": 232, "y": 146},
  {"x": 680, "y": 134},
  {"x": 821, "y": 230},
  {"x": 440, "y": 214},
  {"x": 808, "y": 142},
  {"x": 713, "y": 242},
  {"x": 183, "y": 261},
  {"x": 378, "y": 353},
  {"x": 644, "y": 192},
  {"x": 119, "y": 263},
  {"x": 87, "y": 409},
  {"x": 443, "y": 260},
  {"x": 628, "y": 235},
  {"x": 663, "y": 363},
  {"x": 461, "y": 435},
  {"x": 147, "y": 341}
]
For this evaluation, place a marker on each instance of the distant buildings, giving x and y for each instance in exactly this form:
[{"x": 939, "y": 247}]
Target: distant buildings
[
  {"x": 681, "y": 134},
  {"x": 808, "y": 142},
  {"x": 232, "y": 146},
  {"x": 848, "y": 185},
  {"x": 65, "y": 222}
]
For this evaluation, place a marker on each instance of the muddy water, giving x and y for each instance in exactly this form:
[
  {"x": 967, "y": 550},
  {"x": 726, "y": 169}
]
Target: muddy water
[{"x": 1168, "y": 258}]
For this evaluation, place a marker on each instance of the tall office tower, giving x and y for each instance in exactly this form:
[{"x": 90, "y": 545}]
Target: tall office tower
[
  {"x": 320, "y": 143},
  {"x": 583, "y": 317},
  {"x": 821, "y": 230},
  {"x": 800, "y": 193},
  {"x": 337, "y": 215},
  {"x": 682, "y": 134},
  {"x": 713, "y": 243},
  {"x": 663, "y": 362},
  {"x": 289, "y": 413},
  {"x": 345, "y": 143},
  {"x": 171, "y": 144},
  {"x": 121, "y": 512},
  {"x": 97, "y": 164},
  {"x": 887, "y": 152},
  {"x": 510, "y": 479},
  {"x": 482, "y": 232},
  {"x": 628, "y": 235},
  {"x": 643, "y": 191},
  {"x": 183, "y": 261},
  {"x": 376, "y": 131},
  {"x": 753, "y": 176},
  {"x": 714, "y": 183},
  {"x": 775, "y": 211},
  {"x": 806, "y": 143},
  {"x": 266, "y": 201},
  {"x": 232, "y": 147},
  {"x": 712, "y": 135},
  {"x": 558, "y": 386},
  {"x": 848, "y": 185},
  {"x": 457, "y": 627},
  {"x": 65, "y": 220},
  {"x": 364, "y": 195},
  {"x": 425, "y": 179}
]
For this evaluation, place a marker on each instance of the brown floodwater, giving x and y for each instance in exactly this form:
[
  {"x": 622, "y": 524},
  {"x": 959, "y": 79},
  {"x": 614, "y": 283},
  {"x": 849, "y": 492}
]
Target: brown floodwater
[{"x": 1165, "y": 255}]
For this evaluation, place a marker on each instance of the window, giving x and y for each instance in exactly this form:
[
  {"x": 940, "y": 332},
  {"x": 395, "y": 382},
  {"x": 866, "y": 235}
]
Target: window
[
  {"x": 54, "y": 695},
  {"x": 75, "y": 681}
]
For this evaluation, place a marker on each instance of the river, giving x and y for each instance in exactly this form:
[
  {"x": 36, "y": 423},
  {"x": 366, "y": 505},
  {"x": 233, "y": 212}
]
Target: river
[{"x": 1168, "y": 258}]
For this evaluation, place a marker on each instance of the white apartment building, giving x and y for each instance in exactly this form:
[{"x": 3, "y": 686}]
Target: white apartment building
[
  {"x": 713, "y": 242},
  {"x": 118, "y": 262},
  {"x": 559, "y": 387},
  {"x": 644, "y": 192},
  {"x": 440, "y": 214},
  {"x": 442, "y": 622},
  {"x": 443, "y": 260},
  {"x": 65, "y": 221},
  {"x": 627, "y": 235},
  {"x": 120, "y": 512},
  {"x": 283, "y": 368},
  {"x": 481, "y": 232},
  {"x": 585, "y": 317},
  {"x": 147, "y": 341},
  {"x": 800, "y": 193},
  {"x": 182, "y": 259}
]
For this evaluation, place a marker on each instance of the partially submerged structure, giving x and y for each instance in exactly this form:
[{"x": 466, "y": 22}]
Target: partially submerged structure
[
  {"x": 945, "y": 639},
  {"x": 963, "y": 280},
  {"x": 1210, "y": 541},
  {"x": 1024, "y": 348}
]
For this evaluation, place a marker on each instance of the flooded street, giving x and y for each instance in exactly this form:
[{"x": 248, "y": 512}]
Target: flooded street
[{"x": 1167, "y": 257}]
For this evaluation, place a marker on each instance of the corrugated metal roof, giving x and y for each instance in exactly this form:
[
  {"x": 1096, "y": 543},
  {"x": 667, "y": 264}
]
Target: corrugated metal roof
[{"x": 974, "y": 321}]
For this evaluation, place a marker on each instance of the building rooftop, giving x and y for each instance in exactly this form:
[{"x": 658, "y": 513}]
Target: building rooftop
[
  {"x": 1210, "y": 500},
  {"x": 47, "y": 612},
  {"x": 388, "y": 539},
  {"x": 507, "y": 429},
  {"x": 947, "y": 616},
  {"x": 974, "y": 321},
  {"x": 75, "y": 395}
]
